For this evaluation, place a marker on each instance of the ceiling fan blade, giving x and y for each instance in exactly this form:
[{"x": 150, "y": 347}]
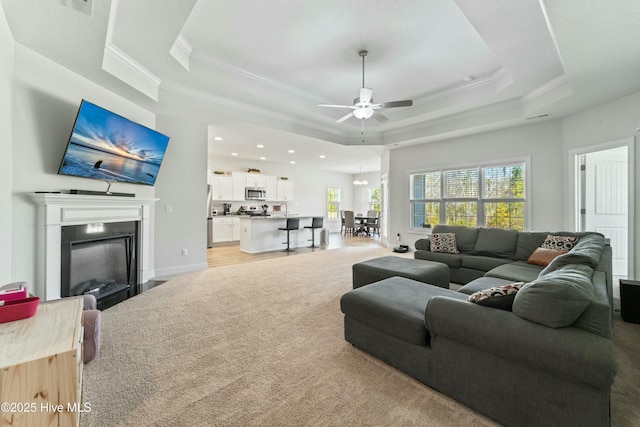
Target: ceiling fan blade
[
  {"x": 343, "y": 118},
  {"x": 365, "y": 94},
  {"x": 379, "y": 117},
  {"x": 336, "y": 106},
  {"x": 392, "y": 104}
]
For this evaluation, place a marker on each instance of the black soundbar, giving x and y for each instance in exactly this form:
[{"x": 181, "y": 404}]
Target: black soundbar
[{"x": 101, "y": 193}]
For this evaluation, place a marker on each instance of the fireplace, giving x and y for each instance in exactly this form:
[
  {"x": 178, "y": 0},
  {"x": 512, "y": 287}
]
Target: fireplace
[
  {"x": 123, "y": 224},
  {"x": 100, "y": 259}
]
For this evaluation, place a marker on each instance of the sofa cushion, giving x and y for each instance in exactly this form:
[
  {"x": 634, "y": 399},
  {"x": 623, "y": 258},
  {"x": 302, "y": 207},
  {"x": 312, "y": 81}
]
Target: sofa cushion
[
  {"x": 465, "y": 236},
  {"x": 517, "y": 271},
  {"x": 376, "y": 269},
  {"x": 500, "y": 297},
  {"x": 423, "y": 245},
  {"x": 556, "y": 299},
  {"x": 528, "y": 242},
  {"x": 544, "y": 256},
  {"x": 483, "y": 283},
  {"x": 483, "y": 263},
  {"x": 496, "y": 242},
  {"x": 588, "y": 250},
  {"x": 444, "y": 242},
  {"x": 395, "y": 306},
  {"x": 452, "y": 260}
]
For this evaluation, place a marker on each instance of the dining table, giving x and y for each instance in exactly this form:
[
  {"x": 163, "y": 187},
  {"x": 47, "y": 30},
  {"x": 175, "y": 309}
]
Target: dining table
[{"x": 362, "y": 222}]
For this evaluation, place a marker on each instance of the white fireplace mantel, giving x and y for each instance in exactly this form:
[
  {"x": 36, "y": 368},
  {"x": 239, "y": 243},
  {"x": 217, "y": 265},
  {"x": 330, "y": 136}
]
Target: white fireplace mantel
[{"x": 58, "y": 210}]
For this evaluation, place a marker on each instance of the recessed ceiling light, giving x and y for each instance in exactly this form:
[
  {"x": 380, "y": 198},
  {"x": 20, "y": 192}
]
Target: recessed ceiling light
[
  {"x": 469, "y": 78},
  {"x": 234, "y": 154},
  {"x": 263, "y": 158},
  {"x": 291, "y": 151},
  {"x": 217, "y": 138},
  {"x": 260, "y": 146},
  {"x": 292, "y": 162},
  {"x": 322, "y": 156}
]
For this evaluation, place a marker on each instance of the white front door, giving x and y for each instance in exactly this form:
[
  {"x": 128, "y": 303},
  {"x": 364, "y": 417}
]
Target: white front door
[{"x": 606, "y": 201}]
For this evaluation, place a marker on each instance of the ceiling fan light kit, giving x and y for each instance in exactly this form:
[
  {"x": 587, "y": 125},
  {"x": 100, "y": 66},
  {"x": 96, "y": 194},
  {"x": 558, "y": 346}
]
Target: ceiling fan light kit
[
  {"x": 363, "y": 106},
  {"x": 363, "y": 113}
]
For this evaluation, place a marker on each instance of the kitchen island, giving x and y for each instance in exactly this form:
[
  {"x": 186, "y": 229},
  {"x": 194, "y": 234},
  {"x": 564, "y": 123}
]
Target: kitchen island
[{"x": 261, "y": 234}]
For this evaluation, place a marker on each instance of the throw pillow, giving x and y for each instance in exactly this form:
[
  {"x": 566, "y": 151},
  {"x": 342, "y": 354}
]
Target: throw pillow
[
  {"x": 559, "y": 243},
  {"x": 444, "y": 242},
  {"x": 543, "y": 256},
  {"x": 497, "y": 297}
]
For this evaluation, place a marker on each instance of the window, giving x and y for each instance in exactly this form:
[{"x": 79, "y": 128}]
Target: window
[
  {"x": 333, "y": 203},
  {"x": 375, "y": 196},
  {"x": 492, "y": 196}
]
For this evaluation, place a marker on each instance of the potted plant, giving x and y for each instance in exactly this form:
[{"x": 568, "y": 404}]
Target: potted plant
[{"x": 252, "y": 170}]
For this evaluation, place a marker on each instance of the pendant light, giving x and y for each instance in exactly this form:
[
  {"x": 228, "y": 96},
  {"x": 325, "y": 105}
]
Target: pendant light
[{"x": 360, "y": 180}]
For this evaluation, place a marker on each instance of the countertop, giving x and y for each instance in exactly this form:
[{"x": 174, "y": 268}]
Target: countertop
[{"x": 273, "y": 216}]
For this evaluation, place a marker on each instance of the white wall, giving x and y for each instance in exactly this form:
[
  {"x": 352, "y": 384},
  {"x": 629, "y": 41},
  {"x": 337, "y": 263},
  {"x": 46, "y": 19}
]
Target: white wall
[
  {"x": 541, "y": 143},
  {"x": 361, "y": 192},
  {"x": 607, "y": 122},
  {"x": 45, "y": 102},
  {"x": 310, "y": 184},
  {"x": 6, "y": 148},
  {"x": 181, "y": 186}
]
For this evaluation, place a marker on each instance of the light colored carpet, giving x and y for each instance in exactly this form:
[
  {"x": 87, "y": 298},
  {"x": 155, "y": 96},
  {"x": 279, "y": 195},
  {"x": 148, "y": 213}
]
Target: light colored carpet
[{"x": 262, "y": 344}]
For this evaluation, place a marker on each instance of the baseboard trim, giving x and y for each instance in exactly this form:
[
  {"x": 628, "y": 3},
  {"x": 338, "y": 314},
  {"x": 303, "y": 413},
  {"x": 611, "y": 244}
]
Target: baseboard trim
[{"x": 169, "y": 272}]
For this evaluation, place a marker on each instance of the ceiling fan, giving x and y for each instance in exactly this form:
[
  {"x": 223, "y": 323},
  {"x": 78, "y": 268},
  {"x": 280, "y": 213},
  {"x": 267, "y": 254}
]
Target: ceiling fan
[{"x": 363, "y": 106}]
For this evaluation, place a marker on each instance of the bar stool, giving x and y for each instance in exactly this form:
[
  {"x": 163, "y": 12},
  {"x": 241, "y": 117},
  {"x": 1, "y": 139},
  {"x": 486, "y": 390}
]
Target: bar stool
[
  {"x": 292, "y": 224},
  {"x": 316, "y": 222}
]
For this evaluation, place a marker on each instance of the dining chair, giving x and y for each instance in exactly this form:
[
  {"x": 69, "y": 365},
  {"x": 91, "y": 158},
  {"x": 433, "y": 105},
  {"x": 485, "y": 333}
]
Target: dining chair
[
  {"x": 349, "y": 222},
  {"x": 341, "y": 220},
  {"x": 373, "y": 221}
]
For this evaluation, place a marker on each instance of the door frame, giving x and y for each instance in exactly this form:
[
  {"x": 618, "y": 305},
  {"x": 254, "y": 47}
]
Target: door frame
[{"x": 574, "y": 181}]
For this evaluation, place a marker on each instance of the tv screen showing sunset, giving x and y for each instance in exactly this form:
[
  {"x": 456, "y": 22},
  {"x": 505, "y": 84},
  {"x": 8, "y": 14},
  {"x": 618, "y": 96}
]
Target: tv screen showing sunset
[{"x": 106, "y": 146}]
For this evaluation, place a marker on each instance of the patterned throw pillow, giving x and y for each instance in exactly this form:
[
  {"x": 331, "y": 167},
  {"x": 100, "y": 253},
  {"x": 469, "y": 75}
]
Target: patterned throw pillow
[
  {"x": 559, "y": 243},
  {"x": 497, "y": 297},
  {"x": 444, "y": 242}
]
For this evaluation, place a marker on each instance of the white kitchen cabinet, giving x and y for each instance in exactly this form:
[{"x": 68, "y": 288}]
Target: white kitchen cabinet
[
  {"x": 235, "y": 229},
  {"x": 272, "y": 188},
  {"x": 284, "y": 191},
  {"x": 255, "y": 180},
  {"x": 222, "y": 186},
  {"x": 239, "y": 182},
  {"x": 225, "y": 229}
]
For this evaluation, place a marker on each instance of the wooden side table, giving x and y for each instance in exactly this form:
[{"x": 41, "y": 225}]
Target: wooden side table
[
  {"x": 630, "y": 300},
  {"x": 41, "y": 366}
]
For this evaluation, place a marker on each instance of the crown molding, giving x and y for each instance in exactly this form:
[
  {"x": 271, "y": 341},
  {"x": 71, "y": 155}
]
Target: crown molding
[
  {"x": 181, "y": 51},
  {"x": 117, "y": 63},
  {"x": 499, "y": 76},
  {"x": 248, "y": 108},
  {"x": 256, "y": 77},
  {"x": 545, "y": 88}
]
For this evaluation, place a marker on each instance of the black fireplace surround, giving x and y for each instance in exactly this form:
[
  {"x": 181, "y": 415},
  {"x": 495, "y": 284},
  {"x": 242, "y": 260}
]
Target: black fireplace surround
[{"x": 100, "y": 259}]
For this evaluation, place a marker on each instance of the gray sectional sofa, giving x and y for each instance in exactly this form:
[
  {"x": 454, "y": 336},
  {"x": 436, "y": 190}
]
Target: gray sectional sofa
[{"x": 549, "y": 361}]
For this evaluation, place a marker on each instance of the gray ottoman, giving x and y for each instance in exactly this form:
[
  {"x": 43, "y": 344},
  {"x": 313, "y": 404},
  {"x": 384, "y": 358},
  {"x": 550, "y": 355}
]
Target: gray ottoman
[{"x": 374, "y": 270}]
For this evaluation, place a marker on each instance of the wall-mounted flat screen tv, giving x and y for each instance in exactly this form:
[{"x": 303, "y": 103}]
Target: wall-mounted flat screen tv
[{"x": 109, "y": 147}]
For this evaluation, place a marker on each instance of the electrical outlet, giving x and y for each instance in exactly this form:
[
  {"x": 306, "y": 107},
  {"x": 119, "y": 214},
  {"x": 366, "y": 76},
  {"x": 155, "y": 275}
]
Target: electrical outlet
[
  {"x": 169, "y": 208},
  {"x": 185, "y": 252}
]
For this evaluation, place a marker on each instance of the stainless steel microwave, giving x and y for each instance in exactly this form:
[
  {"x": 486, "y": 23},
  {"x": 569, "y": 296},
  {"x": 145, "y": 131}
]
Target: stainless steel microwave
[{"x": 255, "y": 193}]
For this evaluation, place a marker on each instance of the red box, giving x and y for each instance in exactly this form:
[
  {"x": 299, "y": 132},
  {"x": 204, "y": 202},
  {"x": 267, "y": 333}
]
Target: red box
[{"x": 18, "y": 309}]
